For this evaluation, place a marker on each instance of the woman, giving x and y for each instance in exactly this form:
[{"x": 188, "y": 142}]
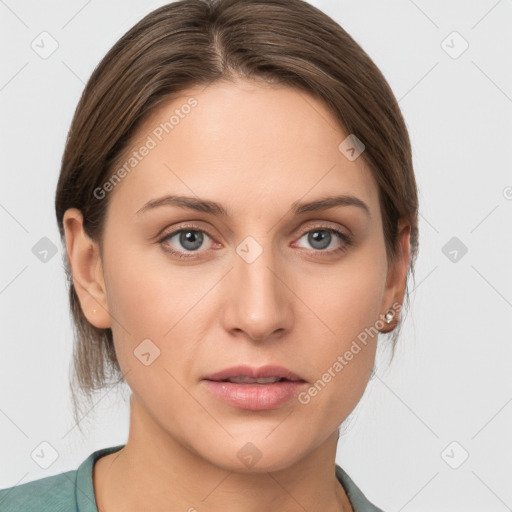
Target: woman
[{"x": 239, "y": 209}]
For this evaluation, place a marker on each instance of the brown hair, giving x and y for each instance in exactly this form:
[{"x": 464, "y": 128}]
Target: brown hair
[{"x": 196, "y": 42}]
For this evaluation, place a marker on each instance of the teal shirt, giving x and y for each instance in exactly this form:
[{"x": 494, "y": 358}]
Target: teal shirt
[{"x": 73, "y": 491}]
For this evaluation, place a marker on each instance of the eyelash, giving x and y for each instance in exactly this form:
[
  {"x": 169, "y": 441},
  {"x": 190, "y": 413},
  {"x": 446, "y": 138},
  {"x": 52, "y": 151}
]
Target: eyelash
[{"x": 347, "y": 240}]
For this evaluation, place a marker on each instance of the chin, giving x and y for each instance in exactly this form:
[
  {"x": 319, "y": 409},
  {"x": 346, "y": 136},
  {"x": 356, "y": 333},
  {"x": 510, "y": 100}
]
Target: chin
[{"x": 256, "y": 453}]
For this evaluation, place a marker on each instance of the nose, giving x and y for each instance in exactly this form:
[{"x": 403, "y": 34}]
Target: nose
[{"x": 259, "y": 301}]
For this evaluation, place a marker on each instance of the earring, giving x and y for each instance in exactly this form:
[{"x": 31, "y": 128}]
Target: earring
[
  {"x": 94, "y": 311},
  {"x": 390, "y": 314}
]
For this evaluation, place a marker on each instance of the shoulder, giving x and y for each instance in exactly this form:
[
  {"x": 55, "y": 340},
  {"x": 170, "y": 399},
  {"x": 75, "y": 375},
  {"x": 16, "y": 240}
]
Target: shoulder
[
  {"x": 71, "y": 491},
  {"x": 53, "y": 493},
  {"x": 359, "y": 502}
]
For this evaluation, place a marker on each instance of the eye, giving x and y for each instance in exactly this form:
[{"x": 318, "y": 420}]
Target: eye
[
  {"x": 321, "y": 237},
  {"x": 183, "y": 240}
]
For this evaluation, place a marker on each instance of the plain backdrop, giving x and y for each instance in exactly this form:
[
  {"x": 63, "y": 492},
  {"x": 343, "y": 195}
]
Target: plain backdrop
[{"x": 432, "y": 431}]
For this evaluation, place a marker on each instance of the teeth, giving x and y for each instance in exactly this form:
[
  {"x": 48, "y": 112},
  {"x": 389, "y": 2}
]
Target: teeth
[{"x": 249, "y": 380}]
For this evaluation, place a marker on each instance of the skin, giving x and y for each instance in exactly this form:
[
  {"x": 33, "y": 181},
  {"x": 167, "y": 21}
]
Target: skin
[{"x": 255, "y": 149}]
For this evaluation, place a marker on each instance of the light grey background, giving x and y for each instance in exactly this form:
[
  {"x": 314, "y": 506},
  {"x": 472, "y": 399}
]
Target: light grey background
[{"x": 451, "y": 378}]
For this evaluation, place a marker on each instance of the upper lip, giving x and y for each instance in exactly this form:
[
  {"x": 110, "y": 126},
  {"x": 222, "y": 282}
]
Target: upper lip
[{"x": 255, "y": 373}]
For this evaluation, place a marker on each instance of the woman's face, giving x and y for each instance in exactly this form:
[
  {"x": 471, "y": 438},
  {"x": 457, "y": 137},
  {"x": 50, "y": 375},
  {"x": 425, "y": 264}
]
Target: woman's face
[{"x": 191, "y": 292}]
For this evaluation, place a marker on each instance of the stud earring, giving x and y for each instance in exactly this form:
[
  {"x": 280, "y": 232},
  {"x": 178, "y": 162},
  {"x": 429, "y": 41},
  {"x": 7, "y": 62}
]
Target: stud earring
[
  {"x": 390, "y": 314},
  {"x": 94, "y": 311}
]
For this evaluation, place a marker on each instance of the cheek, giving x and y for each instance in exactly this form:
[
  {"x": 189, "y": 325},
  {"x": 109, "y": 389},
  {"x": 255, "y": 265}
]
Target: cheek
[
  {"x": 348, "y": 297},
  {"x": 150, "y": 310},
  {"x": 347, "y": 303},
  {"x": 150, "y": 298},
  {"x": 143, "y": 291}
]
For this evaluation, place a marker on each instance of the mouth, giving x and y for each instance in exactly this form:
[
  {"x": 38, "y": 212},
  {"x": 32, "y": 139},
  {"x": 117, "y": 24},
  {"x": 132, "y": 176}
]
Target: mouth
[
  {"x": 243, "y": 379},
  {"x": 244, "y": 374},
  {"x": 254, "y": 389}
]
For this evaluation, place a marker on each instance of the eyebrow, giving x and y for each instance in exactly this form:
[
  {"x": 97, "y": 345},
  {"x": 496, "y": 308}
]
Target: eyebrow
[{"x": 211, "y": 207}]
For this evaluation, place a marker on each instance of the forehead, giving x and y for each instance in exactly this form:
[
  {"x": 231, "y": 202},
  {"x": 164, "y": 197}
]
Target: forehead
[{"x": 242, "y": 144}]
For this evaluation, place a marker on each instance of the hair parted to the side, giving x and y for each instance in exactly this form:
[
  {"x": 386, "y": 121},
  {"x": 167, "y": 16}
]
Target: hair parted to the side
[{"x": 198, "y": 42}]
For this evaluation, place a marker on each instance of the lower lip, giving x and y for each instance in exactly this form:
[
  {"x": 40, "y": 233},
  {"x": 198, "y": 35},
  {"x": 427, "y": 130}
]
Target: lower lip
[{"x": 255, "y": 397}]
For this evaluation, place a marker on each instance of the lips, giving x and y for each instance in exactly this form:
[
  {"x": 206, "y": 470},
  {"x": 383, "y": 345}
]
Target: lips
[
  {"x": 245, "y": 374},
  {"x": 255, "y": 389}
]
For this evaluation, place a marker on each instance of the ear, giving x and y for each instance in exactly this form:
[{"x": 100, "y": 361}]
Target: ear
[
  {"x": 86, "y": 268},
  {"x": 397, "y": 276}
]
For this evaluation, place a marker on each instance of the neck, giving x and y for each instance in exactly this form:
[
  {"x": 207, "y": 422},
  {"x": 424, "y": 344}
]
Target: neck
[{"x": 154, "y": 471}]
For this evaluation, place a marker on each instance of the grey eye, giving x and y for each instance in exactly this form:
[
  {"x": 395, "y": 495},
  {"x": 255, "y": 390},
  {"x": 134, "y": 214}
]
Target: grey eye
[
  {"x": 319, "y": 238},
  {"x": 188, "y": 239}
]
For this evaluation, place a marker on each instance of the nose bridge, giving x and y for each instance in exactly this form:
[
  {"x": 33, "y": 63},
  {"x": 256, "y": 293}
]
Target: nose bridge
[{"x": 259, "y": 305}]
